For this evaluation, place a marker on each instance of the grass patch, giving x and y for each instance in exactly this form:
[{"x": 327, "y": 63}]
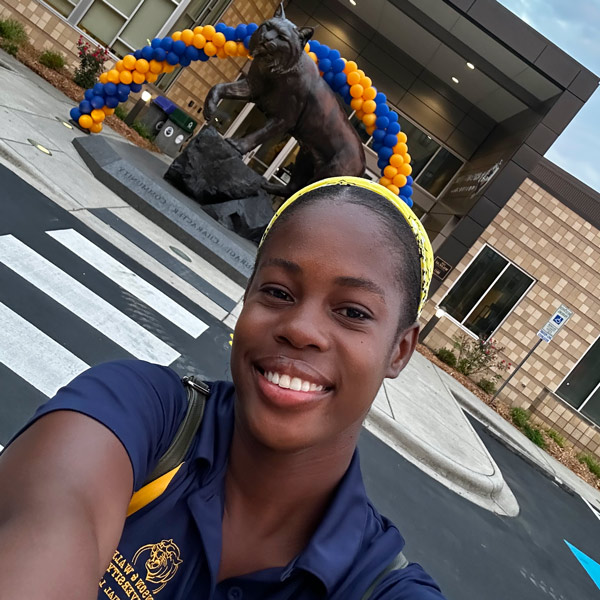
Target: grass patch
[
  {"x": 559, "y": 439},
  {"x": 121, "y": 113},
  {"x": 12, "y": 35},
  {"x": 446, "y": 356},
  {"x": 142, "y": 130},
  {"x": 52, "y": 60},
  {"x": 592, "y": 464},
  {"x": 535, "y": 435},
  {"x": 487, "y": 385},
  {"x": 519, "y": 416}
]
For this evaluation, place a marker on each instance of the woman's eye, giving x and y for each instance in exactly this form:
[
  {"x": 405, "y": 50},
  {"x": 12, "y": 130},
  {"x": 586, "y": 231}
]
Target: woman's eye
[
  {"x": 354, "y": 314},
  {"x": 277, "y": 293}
]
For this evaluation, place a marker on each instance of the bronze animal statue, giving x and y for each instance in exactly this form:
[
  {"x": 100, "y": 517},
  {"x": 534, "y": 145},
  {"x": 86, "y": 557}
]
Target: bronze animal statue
[{"x": 284, "y": 83}]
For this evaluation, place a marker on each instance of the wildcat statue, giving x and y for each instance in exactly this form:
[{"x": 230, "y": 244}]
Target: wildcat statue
[{"x": 284, "y": 83}]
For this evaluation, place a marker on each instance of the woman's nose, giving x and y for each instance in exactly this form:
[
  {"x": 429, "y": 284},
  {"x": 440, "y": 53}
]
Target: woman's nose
[{"x": 304, "y": 326}]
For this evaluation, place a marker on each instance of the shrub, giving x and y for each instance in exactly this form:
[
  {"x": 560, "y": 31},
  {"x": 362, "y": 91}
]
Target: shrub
[
  {"x": 91, "y": 62},
  {"x": 592, "y": 464},
  {"x": 13, "y": 31},
  {"x": 487, "y": 385},
  {"x": 559, "y": 439},
  {"x": 535, "y": 435},
  {"x": 479, "y": 357},
  {"x": 52, "y": 60},
  {"x": 142, "y": 130},
  {"x": 446, "y": 356},
  {"x": 9, "y": 47},
  {"x": 520, "y": 417},
  {"x": 120, "y": 113}
]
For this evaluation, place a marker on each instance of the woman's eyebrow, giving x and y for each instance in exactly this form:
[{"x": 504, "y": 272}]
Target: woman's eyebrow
[
  {"x": 288, "y": 265},
  {"x": 359, "y": 282}
]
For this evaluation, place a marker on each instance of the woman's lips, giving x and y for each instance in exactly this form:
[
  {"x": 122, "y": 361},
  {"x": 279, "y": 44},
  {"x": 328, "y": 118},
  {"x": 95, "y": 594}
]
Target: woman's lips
[{"x": 284, "y": 395}]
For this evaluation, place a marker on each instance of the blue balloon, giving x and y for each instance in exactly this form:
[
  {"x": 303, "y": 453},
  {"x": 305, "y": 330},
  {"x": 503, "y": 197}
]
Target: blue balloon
[
  {"x": 138, "y": 53},
  {"x": 347, "y": 98},
  {"x": 229, "y": 33},
  {"x": 381, "y": 163},
  {"x": 192, "y": 53},
  {"x": 110, "y": 89},
  {"x": 377, "y": 146},
  {"x": 75, "y": 113},
  {"x": 85, "y": 107},
  {"x": 328, "y": 77},
  {"x": 97, "y": 102},
  {"x": 172, "y": 58},
  {"x": 136, "y": 88},
  {"x": 179, "y": 47},
  {"x": 247, "y": 41},
  {"x": 122, "y": 97},
  {"x": 393, "y": 128},
  {"x": 202, "y": 56},
  {"x": 156, "y": 42},
  {"x": 220, "y": 27},
  {"x": 407, "y": 201},
  {"x": 344, "y": 91},
  {"x": 382, "y": 110},
  {"x": 123, "y": 89},
  {"x": 251, "y": 28},
  {"x": 385, "y": 153},
  {"x": 241, "y": 31},
  {"x": 338, "y": 65},
  {"x": 313, "y": 45},
  {"x": 392, "y": 116},
  {"x": 322, "y": 51},
  {"x": 339, "y": 80},
  {"x": 406, "y": 191},
  {"x": 378, "y": 135},
  {"x": 147, "y": 53},
  {"x": 380, "y": 98},
  {"x": 325, "y": 65},
  {"x": 112, "y": 101},
  {"x": 382, "y": 122},
  {"x": 334, "y": 55},
  {"x": 98, "y": 89},
  {"x": 89, "y": 94},
  {"x": 184, "y": 61},
  {"x": 409, "y": 180},
  {"x": 159, "y": 54},
  {"x": 166, "y": 44},
  {"x": 390, "y": 140}
]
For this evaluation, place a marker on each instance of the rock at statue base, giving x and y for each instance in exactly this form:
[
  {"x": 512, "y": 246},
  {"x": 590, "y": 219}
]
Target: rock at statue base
[{"x": 213, "y": 173}]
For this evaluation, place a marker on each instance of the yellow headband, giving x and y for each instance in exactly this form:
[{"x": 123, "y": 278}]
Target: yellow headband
[{"x": 425, "y": 250}]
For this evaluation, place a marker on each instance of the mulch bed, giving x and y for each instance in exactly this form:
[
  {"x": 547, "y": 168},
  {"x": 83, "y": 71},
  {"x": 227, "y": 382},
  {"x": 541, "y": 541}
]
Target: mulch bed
[
  {"x": 566, "y": 456},
  {"x": 62, "y": 80}
]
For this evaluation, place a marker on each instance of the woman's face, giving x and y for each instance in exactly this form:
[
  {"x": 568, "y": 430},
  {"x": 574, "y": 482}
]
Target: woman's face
[{"x": 318, "y": 331}]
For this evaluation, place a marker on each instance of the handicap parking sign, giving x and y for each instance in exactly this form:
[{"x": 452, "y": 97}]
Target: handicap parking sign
[{"x": 558, "y": 319}]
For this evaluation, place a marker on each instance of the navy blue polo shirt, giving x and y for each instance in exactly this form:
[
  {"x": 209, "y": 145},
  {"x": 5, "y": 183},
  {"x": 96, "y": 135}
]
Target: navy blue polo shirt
[{"x": 170, "y": 549}]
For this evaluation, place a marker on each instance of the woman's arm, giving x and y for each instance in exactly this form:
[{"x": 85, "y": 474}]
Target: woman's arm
[{"x": 65, "y": 485}]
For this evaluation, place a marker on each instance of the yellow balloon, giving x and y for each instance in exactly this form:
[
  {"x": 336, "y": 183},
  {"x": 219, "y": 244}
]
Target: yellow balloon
[
  {"x": 353, "y": 78},
  {"x": 369, "y": 93},
  {"x": 155, "y": 67},
  {"x": 167, "y": 68},
  {"x": 407, "y": 157},
  {"x": 199, "y": 41},
  {"x": 307, "y": 48},
  {"x": 210, "y": 49},
  {"x": 371, "y": 129},
  {"x": 198, "y": 30},
  {"x": 219, "y": 39},
  {"x": 402, "y": 137},
  {"x": 151, "y": 77},
  {"x": 129, "y": 62},
  {"x": 208, "y": 31},
  {"x": 96, "y": 127},
  {"x": 393, "y": 188},
  {"x": 187, "y": 36},
  {"x": 113, "y": 76},
  {"x": 108, "y": 111},
  {"x": 400, "y": 180},
  {"x": 400, "y": 148},
  {"x": 98, "y": 115},
  {"x": 103, "y": 78},
  {"x": 369, "y": 119},
  {"x": 313, "y": 56},
  {"x": 359, "y": 115},
  {"x": 138, "y": 77},
  {"x": 230, "y": 48},
  {"x": 356, "y": 103},
  {"x": 390, "y": 172},
  {"x": 176, "y": 36},
  {"x": 366, "y": 82},
  {"x": 241, "y": 49},
  {"x": 119, "y": 66},
  {"x": 125, "y": 77},
  {"x": 384, "y": 181},
  {"x": 142, "y": 65},
  {"x": 86, "y": 121},
  {"x": 369, "y": 106},
  {"x": 350, "y": 67},
  {"x": 221, "y": 52},
  {"x": 396, "y": 160},
  {"x": 405, "y": 169},
  {"x": 356, "y": 91}
]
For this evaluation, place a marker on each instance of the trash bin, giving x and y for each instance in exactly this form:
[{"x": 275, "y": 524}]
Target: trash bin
[
  {"x": 157, "y": 114},
  {"x": 178, "y": 128}
]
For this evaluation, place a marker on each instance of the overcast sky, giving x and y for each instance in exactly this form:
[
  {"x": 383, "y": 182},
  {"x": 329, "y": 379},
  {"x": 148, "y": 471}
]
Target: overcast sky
[{"x": 573, "y": 26}]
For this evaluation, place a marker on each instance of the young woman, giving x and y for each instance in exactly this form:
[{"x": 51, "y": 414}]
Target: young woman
[{"x": 269, "y": 502}]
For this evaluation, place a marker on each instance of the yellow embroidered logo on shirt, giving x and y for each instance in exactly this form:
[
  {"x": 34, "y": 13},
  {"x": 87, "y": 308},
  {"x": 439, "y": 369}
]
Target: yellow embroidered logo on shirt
[{"x": 163, "y": 560}]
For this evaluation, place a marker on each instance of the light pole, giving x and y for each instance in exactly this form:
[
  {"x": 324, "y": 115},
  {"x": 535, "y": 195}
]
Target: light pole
[{"x": 137, "y": 108}]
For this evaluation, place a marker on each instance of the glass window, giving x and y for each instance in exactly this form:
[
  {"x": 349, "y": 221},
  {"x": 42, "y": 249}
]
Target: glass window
[
  {"x": 579, "y": 389},
  {"x": 421, "y": 146},
  {"x": 146, "y": 22},
  {"x": 102, "y": 22},
  {"x": 64, "y": 7},
  {"x": 439, "y": 172},
  {"x": 486, "y": 293}
]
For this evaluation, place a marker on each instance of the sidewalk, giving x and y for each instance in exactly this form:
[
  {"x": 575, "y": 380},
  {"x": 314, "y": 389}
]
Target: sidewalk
[{"x": 420, "y": 414}]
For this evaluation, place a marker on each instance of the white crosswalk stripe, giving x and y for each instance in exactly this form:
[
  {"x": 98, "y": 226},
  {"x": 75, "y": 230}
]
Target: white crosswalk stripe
[
  {"x": 84, "y": 303},
  {"x": 129, "y": 281},
  {"x": 20, "y": 340}
]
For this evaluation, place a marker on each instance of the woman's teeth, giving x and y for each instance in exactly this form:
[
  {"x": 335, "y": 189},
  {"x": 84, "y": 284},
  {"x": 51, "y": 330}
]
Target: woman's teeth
[{"x": 293, "y": 383}]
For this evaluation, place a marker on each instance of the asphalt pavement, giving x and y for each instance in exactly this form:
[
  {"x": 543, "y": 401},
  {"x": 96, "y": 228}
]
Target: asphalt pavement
[{"x": 485, "y": 514}]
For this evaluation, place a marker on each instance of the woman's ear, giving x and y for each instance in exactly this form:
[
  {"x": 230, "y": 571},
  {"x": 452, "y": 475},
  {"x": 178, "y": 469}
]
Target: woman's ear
[{"x": 402, "y": 350}]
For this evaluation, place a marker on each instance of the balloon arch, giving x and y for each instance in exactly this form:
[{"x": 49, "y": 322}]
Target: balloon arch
[{"x": 202, "y": 43}]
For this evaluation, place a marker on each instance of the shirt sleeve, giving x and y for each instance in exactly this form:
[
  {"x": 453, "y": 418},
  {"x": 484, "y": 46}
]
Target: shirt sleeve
[
  {"x": 410, "y": 583},
  {"x": 141, "y": 403}
]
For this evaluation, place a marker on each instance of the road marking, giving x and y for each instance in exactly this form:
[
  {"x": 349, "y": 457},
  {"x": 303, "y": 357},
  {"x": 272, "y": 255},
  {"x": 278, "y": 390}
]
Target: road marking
[
  {"x": 84, "y": 303},
  {"x": 592, "y": 568},
  {"x": 594, "y": 510},
  {"x": 130, "y": 281},
  {"x": 20, "y": 341}
]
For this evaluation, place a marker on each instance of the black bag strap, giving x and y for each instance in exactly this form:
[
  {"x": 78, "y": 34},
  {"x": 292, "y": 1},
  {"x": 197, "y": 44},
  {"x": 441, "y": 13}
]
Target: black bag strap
[
  {"x": 399, "y": 562},
  {"x": 197, "y": 392}
]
